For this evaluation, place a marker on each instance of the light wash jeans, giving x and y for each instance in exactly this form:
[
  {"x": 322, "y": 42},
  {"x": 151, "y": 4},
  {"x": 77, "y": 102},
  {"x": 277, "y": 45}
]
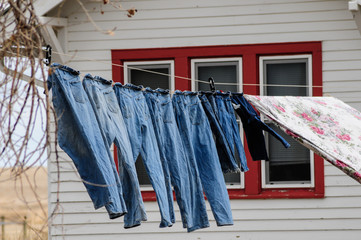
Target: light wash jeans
[
  {"x": 143, "y": 140},
  {"x": 178, "y": 170},
  {"x": 79, "y": 136},
  {"x": 110, "y": 119},
  {"x": 198, "y": 140}
]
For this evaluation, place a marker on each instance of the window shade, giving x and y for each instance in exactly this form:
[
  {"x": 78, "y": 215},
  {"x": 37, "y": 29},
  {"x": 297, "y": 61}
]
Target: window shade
[{"x": 292, "y": 164}]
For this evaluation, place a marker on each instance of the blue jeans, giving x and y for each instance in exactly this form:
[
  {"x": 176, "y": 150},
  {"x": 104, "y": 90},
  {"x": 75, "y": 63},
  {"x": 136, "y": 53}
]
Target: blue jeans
[
  {"x": 254, "y": 127},
  {"x": 110, "y": 119},
  {"x": 177, "y": 169},
  {"x": 143, "y": 140},
  {"x": 198, "y": 140},
  {"x": 79, "y": 136},
  {"x": 225, "y": 154},
  {"x": 228, "y": 121}
]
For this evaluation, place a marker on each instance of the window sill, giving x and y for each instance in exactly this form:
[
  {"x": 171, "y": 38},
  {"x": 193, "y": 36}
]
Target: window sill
[
  {"x": 149, "y": 196},
  {"x": 276, "y": 193}
]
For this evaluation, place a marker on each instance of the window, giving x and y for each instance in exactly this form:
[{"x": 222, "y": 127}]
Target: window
[
  {"x": 222, "y": 70},
  {"x": 251, "y": 69},
  {"x": 292, "y": 167},
  {"x": 149, "y": 79}
]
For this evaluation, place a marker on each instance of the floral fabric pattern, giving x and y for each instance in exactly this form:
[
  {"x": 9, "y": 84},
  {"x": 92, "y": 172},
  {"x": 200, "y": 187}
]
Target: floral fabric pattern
[{"x": 326, "y": 125}]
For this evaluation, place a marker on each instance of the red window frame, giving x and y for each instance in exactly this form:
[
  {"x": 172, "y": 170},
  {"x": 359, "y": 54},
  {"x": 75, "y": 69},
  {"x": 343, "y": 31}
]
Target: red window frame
[{"x": 250, "y": 59}]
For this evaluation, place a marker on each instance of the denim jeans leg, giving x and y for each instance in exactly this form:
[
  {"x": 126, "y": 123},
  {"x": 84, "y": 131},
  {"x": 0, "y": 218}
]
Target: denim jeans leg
[
  {"x": 110, "y": 119},
  {"x": 78, "y": 136},
  {"x": 155, "y": 109}
]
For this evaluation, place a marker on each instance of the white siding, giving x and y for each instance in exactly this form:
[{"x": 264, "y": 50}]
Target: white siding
[{"x": 214, "y": 22}]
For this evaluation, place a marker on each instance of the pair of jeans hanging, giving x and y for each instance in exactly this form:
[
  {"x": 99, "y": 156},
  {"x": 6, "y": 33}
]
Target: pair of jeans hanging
[
  {"x": 225, "y": 129},
  {"x": 179, "y": 171},
  {"x": 104, "y": 102},
  {"x": 79, "y": 136},
  {"x": 254, "y": 127},
  {"x": 199, "y": 145},
  {"x": 228, "y": 122},
  {"x": 143, "y": 140}
]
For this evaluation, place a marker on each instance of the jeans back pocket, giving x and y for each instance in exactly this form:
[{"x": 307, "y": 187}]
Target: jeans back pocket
[
  {"x": 77, "y": 91},
  {"x": 111, "y": 100},
  {"x": 167, "y": 111},
  {"x": 195, "y": 114}
]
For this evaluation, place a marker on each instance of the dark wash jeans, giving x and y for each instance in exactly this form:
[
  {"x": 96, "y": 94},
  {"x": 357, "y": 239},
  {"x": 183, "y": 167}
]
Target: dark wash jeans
[
  {"x": 79, "y": 136},
  {"x": 179, "y": 171},
  {"x": 198, "y": 140},
  {"x": 226, "y": 156},
  {"x": 104, "y": 102},
  {"x": 228, "y": 121},
  {"x": 143, "y": 140},
  {"x": 254, "y": 127}
]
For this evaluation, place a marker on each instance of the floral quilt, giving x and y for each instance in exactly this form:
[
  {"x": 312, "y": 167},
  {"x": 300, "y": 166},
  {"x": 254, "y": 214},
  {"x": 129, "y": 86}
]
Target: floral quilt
[{"x": 325, "y": 125}]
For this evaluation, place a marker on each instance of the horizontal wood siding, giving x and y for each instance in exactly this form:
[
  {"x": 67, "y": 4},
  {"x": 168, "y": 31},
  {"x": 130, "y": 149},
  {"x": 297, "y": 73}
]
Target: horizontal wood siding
[{"x": 213, "y": 22}]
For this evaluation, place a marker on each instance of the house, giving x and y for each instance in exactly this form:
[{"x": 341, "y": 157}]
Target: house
[{"x": 314, "y": 44}]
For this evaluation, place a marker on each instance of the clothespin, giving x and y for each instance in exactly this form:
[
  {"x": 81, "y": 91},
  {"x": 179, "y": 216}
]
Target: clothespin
[
  {"x": 211, "y": 84},
  {"x": 47, "y": 59}
]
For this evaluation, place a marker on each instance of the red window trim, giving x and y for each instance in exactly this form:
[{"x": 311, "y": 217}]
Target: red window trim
[{"x": 250, "y": 58}]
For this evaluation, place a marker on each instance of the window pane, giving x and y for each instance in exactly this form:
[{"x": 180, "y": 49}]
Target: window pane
[
  {"x": 291, "y": 164},
  {"x": 221, "y": 73},
  {"x": 288, "y": 164},
  {"x": 286, "y": 74},
  {"x": 153, "y": 81}
]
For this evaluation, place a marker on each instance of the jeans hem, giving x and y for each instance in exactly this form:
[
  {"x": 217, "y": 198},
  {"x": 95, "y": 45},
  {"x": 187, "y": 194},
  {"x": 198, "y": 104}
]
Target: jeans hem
[
  {"x": 224, "y": 224},
  {"x": 133, "y": 225},
  {"x": 116, "y": 215},
  {"x": 165, "y": 224},
  {"x": 245, "y": 169},
  {"x": 197, "y": 227}
]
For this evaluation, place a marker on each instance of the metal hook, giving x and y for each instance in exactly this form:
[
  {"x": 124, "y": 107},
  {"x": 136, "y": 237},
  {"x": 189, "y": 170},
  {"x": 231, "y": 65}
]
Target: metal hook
[
  {"x": 211, "y": 84},
  {"x": 47, "y": 59}
]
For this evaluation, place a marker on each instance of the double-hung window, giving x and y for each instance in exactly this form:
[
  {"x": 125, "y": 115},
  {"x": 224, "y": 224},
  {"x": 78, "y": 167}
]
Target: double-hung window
[
  {"x": 292, "y": 167},
  {"x": 260, "y": 69},
  {"x": 227, "y": 74}
]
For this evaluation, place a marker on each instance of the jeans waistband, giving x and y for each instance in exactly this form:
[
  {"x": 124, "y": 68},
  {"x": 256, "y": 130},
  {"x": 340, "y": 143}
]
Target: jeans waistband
[
  {"x": 66, "y": 68},
  {"x": 134, "y": 87},
  {"x": 148, "y": 89},
  {"x": 129, "y": 89},
  {"x": 103, "y": 80},
  {"x": 236, "y": 94},
  {"x": 178, "y": 92},
  {"x": 203, "y": 98},
  {"x": 98, "y": 79},
  {"x": 162, "y": 91},
  {"x": 224, "y": 94},
  {"x": 208, "y": 93}
]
